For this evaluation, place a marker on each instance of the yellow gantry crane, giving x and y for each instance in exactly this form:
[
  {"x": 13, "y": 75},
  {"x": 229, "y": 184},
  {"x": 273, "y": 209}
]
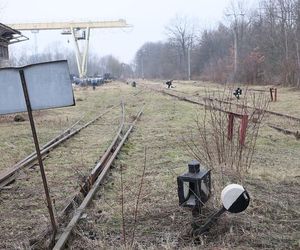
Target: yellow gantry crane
[{"x": 78, "y": 30}]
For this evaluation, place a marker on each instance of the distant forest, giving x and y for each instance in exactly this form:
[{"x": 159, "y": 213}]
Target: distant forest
[{"x": 256, "y": 46}]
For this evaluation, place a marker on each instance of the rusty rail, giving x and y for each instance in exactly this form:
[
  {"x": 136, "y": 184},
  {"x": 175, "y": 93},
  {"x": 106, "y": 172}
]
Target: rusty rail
[
  {"x": 97, "y": 169},
  {"x": 7, "y": 175},
  {"x": 226, "y": 102},
  {"x": 256, "y": 109},
  {"x": 285, "y": 131},
  {"x": 98, "y": 174}
]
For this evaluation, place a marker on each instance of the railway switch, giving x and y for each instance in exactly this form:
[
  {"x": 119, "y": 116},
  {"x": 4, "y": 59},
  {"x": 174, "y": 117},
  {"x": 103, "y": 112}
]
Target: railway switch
[{"x": 194, "y": 186}]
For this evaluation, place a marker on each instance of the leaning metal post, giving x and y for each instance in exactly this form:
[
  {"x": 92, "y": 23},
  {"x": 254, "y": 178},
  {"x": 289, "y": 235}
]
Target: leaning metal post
[{"x": 37, "y": 148}]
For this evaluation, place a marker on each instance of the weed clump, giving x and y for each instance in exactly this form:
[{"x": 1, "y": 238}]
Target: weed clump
[{"x": 19, "y": 118}]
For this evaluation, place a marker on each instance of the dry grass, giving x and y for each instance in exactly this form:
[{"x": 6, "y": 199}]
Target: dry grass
[
  {"x": 23, "y": 209},
  {"x": 270, "y": 222}
]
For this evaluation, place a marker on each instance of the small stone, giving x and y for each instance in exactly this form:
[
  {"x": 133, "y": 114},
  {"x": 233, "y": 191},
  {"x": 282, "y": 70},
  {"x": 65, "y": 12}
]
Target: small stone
[
  {"x": 19, "y": 118},
  {"x": 84, "y": 216}
]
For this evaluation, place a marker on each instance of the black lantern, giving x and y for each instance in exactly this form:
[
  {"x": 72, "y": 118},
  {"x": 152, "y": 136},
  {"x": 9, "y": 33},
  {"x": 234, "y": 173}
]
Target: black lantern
[{"x": 194, "y": 187}]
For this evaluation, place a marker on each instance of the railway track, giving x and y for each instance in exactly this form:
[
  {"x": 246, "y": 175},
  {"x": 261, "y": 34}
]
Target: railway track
[
  {"x": 96, "y": 177},
  {"x": 285, "y": 131},
  {"x": 273, "y": 126},
  {"x": 188, "y": 99},
  {"x": 76, "y": 205},
  {"x": 9, "y": 175}
]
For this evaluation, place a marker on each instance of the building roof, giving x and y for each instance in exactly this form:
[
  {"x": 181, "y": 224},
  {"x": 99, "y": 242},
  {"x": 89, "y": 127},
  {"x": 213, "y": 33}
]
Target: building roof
[{"x": 9, "y": 35}]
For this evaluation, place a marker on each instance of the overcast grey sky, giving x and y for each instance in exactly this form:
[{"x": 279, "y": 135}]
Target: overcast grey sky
[{"x": 149, "y": 19}]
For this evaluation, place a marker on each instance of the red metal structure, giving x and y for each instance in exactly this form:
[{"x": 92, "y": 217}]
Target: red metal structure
[
  {"x": 243, "y": 126},
  {"x": 273, "y": 94}
]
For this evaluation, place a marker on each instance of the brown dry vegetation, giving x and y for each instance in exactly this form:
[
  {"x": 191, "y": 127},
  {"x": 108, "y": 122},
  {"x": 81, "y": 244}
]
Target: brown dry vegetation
[
  {"x": 272, "y": 220},
  {"x": 23, "y": 210}
]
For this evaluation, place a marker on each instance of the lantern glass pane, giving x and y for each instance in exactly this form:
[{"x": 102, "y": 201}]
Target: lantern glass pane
[{"x": 186, "y": 190}]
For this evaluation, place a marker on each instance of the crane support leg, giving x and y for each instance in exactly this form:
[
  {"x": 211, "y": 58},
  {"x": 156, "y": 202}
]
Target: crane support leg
[
  {"x": 78, "y": 54},
  {"x": 85, "y": 53}
]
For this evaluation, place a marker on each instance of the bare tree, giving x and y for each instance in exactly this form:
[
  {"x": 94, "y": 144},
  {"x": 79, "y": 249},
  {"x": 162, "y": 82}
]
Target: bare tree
[
  {"x": 257, "y": 46},
  {"x": 181, "y": 34}
]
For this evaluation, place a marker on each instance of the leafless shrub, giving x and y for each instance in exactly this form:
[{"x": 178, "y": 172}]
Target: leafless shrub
[
  {"x": 130, "y": 228},
  {"x": 122, "y": 207},
  {"x": 210, "y": 144},
  {"x": 136, "y": 210}
]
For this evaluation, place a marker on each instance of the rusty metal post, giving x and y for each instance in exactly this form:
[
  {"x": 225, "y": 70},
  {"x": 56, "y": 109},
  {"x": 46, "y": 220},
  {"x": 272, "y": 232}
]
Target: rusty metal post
[
  {"x": 37, "y": 148},
  {"x": 243, "y": 129},
  {"x": 230, "y": 126},
  {"x": 271, "y": 94}
]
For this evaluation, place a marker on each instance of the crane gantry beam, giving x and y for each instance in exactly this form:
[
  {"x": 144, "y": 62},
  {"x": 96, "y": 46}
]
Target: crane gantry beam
[
  {"x": 121, "y": 23},
  {"x": 72, "y": 28}
]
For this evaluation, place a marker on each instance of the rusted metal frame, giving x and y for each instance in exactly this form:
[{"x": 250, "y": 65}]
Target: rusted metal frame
[
  {"x": 230, "y": 127},
  {"x": 67, "y": 232},
  {"x": 246, "y": 120},
  {"x": 246, "y": 106},
  {"x": 226, "y": 102},
  {"x": 243, "y": 129},
  {"x": 8, "y": 173},
  {"x": 273, "y": 97},
  {"x": 231, "y": 115},
  {"x": 271, "y": 94},
  {"x": 203, "y": 104},
  {"x": 261, "y": 110},
  {"x": 38, "y": 153}
]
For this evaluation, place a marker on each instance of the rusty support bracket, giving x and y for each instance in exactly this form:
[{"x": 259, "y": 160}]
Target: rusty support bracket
[
  {"x": 243, "y": 127},
  {"x": 230, "y": 126},
  {"x": 273, "y": 94}
]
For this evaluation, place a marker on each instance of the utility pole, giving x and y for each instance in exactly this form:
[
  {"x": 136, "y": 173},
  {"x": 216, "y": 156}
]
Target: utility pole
[
  {"x": 142, "y": 63},
  {"x": 190, "y": 44},
  {"x": 236, "y": 44},
  {"x": 189, "y": 63},
  {"x": 143, "y": 67}
]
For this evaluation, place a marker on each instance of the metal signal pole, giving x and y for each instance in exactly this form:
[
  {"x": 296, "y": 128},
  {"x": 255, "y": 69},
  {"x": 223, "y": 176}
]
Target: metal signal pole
[{"x": 38, "y": 152}]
